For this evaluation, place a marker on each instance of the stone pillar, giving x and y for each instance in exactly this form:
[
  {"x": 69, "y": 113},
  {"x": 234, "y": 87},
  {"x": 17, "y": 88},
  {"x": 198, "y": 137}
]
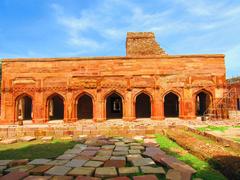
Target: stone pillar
[
  {"x": 8, "y": 111},
  {"x": 157, "y": 106},
  {"x": 187, "y": 105},
  {"x": 128, "y": 111},
  {"x": 68, "y": 108},
  {"x": 100, "y": 109},
  {"x": 188, "y": 109},
  {"x": 38, "y": 108}
]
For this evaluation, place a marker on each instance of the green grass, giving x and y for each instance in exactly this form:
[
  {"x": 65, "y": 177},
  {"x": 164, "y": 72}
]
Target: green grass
[
  {"x": 35, "y": 149},
  {"x": 204, "y": 170},
  {"x": 216, "y": 128},
  {"x": 236, "y": 139}
]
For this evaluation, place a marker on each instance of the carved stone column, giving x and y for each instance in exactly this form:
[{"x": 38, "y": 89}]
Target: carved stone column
[{"x": 128, "y": 111}]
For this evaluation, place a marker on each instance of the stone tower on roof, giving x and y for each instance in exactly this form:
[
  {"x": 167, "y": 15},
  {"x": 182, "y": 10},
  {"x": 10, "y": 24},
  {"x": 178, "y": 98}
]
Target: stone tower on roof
[{"x": 142, "y": 44}]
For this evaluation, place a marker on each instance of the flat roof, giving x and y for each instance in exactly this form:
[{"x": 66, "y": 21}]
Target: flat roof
[{"x": 111, "y": 58}]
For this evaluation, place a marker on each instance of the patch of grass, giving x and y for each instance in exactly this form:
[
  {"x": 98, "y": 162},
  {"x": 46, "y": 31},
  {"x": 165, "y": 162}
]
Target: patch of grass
[
  {"x": 236, "y": 139},
  {"x": 35, "y": 149},
  {"x": 204, "y": 170},
  {"x": 214, "y": 128}
]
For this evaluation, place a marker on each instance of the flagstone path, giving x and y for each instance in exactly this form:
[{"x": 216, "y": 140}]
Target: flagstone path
[{"x": 114, "y": 158}]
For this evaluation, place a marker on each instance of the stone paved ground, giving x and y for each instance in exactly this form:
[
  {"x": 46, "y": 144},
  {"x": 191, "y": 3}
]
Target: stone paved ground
[
  {"x": 114, "y": 158},
  {"x": 115, "y": 127}
]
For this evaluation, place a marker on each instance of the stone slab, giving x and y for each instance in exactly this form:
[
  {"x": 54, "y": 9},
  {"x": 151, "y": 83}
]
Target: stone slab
[
  {"x": 92, "y": 148},
  {"x": 120, "y": 153},
  {"x": 93, "y": 163},
  {"x": 81, "y": 157},
  {"x": 145, "y": 177},
  {"x": 101, "y": 158},
  {"x": 118, "y": 158},
  {"x": 137, "y": 147},
  {"x": 87, "y": 178},
  {"x": 80, "y": 146},
  {"x": 66, "y": 156},
  {"x": 8, "y": 141},
  {"x": 143, "y": 162},
  {"x": 108, "y": 147},
  {"x": 115, "y": 163},
  {"x": 5, "y": 162},
  {"x": 131, "y": 157},
  {"x": 104, "y": 153},
  {"x": 23, "y": 168},
  {"x": 39, "y": 161},
  {"x": 152, "y": 170},
  {"x": 37, "y": 178},
  {"x": 121, "y": 148},
  {"x": 58, "y": 170},
  {"x": 105, "y": 172},
  {"x": 84, "y": 171},
  {"x": 14, "y": 176},
  {"x": 18, "y": 162},
  {"x": 57, "y": 162},
  {"x": 73, "y": 151},
  {"x": 88, "y": 153},
  {"x": 177, "y": 164},
  {"x": 119, "y": 178},
  {"x": 127, "y": 170},
  {"x": 47, "y": 138},
  {"x": 27, "y": 138},
  {"x": 134, "y": 151},
  {"x": 39, "y": 170},
  {"x": 173, "y": 175},
  {"x": 76, "y": 163},
  {"x": 62, "y": 178}
]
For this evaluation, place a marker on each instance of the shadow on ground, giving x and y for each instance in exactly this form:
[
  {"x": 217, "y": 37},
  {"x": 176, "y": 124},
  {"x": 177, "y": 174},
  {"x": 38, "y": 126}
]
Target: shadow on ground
[
  {"x": 227, "y": 165},
  {"x": 34, "y": 151}
]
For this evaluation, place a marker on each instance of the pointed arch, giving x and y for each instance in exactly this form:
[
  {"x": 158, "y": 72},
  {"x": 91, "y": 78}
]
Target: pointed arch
[
  {"x": 203, "y": 100},
  {"x": 112, "y": 92},
  {"x": 114, "y": 105},
  {"x": 84, "y": 106},
  {"x": 143, "y": 104},
  {"x": 171, "y": 104},
  {"x": 144, "y": 92},
  {"x": 55, "y": 106},
  {"x": 23, "y": 107}
]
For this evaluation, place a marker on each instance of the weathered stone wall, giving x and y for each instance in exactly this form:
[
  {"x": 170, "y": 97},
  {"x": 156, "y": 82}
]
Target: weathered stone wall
[{"x": 155, "y": 74}]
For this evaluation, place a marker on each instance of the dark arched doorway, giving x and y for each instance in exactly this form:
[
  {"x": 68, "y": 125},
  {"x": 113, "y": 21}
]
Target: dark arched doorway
[
  {"x": 171, "y": 105},
  {"x": 203, "y": 101},
  {"x": 85, "y": 107},
  {"x": 24, "y": 108},
  {"x": 114, "y": 109},
  {"x": 55, "y": 108},
  {"x": 143, "y": 106}
]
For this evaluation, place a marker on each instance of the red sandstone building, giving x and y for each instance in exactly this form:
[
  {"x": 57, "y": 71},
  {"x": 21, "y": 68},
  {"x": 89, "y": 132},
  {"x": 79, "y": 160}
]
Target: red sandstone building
[{"x": 146, "y": 83}]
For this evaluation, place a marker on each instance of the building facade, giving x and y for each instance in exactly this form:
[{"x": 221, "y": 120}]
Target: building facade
[{"x": 146, "y": 83}]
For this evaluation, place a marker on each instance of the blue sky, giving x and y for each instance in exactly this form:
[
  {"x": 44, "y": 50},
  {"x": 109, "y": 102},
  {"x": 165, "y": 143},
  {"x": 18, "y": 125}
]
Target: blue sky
[{"x": 66, "y": 28}]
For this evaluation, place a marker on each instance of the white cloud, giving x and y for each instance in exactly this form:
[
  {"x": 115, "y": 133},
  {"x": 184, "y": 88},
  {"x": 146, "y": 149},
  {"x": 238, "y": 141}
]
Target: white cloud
[
  {"x": 196, "y": 26},
  {"x": 233, "y": 60}
]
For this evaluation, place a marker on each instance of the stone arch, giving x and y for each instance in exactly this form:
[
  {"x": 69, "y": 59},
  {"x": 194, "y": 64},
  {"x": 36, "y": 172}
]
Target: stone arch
[
  {"x": 114, "y": 105},
  {"x": 55, "y": 107},
  {"x": 202, "y": 100},
  {"x": 23, "y": 107},
  {"x": 171, "y": 104},
  {"x": 84, "y": 105},
  {"x": 143, "y": 101}
]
